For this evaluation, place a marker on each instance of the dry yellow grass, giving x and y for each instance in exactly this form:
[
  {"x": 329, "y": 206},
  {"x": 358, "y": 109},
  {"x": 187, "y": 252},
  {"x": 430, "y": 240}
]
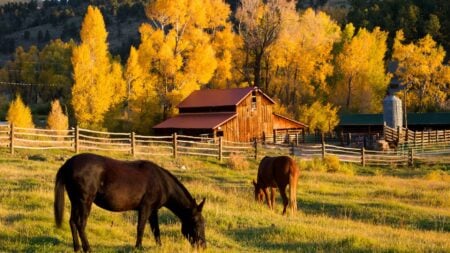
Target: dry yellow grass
[{"x": 365, "y": 212}]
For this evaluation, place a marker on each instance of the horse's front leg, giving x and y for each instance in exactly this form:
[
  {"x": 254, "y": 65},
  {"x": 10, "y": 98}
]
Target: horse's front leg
[
  {"x": 272, "y": 196},
  {"x": 155, "y": 226},
  {"x": 143, "y": 215},
  {"x": 266, "y": 194}
]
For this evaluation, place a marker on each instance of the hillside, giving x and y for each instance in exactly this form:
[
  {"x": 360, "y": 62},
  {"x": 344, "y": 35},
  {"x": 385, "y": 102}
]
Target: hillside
[{"x": 375, "y": 210}]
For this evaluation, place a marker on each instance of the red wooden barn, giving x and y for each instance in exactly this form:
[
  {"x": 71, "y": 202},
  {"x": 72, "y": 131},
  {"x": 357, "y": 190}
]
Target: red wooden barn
[{"x": 237, "y": 114}]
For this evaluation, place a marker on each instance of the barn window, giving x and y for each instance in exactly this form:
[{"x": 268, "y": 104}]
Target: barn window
[{"x": 253, "y": 100}]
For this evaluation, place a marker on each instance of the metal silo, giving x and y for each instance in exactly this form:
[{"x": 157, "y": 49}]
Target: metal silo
[{"x": 392, "y": 111}]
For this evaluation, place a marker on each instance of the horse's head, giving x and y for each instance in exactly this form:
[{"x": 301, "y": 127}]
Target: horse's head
[
  {"x": 259, "y": 194},
  {"x": 193, "y": 228}
]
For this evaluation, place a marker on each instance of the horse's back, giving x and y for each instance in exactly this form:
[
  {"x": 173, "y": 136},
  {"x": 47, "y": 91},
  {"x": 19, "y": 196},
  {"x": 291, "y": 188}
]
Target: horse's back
[
  {"x": 276, "y": 170},
  {"x": 112, "y": 184}
]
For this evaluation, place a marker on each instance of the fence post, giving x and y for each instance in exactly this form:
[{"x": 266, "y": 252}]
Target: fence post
[
  {"x": 422, "y": 139},
  {"x": 220, "y": 148},
  {"x": 293, "y": 148},
  {"x": 407, "y": 136},
  {"x": 363, "y": 157},
  {"x": 255, "y": 144},
  {"x": 11, "y": 139},
  {"x": 398, "y": 134},
  {"x": 415, "y": 137},
  {"x": 133, "y": 144},
  {"x": 437, "y": 136},
  {"x": 77, "y": 139},
  {"x": 274, "y": 136},
  {"x": 174, "y": 145},
  {"x": 411, "y": 158},
  {"x": 323, "y": 149}
]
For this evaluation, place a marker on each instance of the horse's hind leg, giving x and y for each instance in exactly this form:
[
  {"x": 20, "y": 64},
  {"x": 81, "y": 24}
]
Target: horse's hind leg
[
  {"x": 284, "y": 197},
  {"x": 73, "y": 228},
  {"x": 83, "y": 213},
  {"x": 155, "y": 226},
  {"x": 143, "y": 214}
]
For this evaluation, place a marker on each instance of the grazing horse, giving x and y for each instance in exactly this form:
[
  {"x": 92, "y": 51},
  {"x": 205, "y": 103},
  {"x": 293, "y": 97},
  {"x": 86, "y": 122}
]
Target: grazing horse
[
  {"x": 125, "y": 185},
  {"x": 277, "y": 172}
]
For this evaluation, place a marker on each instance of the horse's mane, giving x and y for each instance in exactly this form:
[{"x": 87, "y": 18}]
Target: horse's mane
[{"x": 175, "y": 179}]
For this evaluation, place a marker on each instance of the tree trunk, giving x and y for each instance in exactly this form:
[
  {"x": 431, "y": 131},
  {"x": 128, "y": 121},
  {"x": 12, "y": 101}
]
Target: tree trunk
[
  {"x": 349, "y": 91},
  {"x": 257, "y": 69}
]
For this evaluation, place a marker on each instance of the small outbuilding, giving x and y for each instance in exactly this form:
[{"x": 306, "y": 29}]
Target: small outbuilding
[{"x": 237, "y": 114}]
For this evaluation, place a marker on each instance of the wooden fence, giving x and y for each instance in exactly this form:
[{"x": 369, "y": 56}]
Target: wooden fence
[
  {"x": 416, "y": 138},
  {"x": 78, "y": 140}
]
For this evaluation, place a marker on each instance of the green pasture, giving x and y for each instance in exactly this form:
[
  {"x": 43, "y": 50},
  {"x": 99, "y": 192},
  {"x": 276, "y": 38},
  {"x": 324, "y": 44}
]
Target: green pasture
[{"x": 350, "y": 210}]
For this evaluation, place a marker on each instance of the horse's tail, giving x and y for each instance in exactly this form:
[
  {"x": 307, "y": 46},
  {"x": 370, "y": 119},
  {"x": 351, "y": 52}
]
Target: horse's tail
[
  {"x": 293, "y": 177},
  {"x": 58, "y": 206}
]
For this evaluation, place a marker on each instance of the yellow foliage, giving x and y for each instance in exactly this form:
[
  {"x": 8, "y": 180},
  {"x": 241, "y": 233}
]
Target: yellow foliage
[
  {"x": 318, "y": 117},
  {"x": 422, "y": 69},
  {"x": 187, "y": 56},
  {"x": 142, "y": 101},
  {"x": 301, "y": 60},
  {"x": 360, "y": 63},
  {"x": 57, "y": 120},
  {"x": 19, "y": 114},
  {"x": 98, "y": 80}
]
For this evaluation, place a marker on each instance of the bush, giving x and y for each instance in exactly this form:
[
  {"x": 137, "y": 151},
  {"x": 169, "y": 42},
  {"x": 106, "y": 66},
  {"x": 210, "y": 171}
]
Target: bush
[
  {"x": 437, "y": 175},
  {"x": 57, "y": 120},
  {"x": 332, "y": 163},
  {"x": 237, "y": 162},
  {"x": 315, "y": 164},
  {"x": 19, "y": 114}
]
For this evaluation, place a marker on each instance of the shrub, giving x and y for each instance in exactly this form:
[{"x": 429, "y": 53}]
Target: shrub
[
  {"x": 57, "y": 120},
  {"x": 332, "y": 163},
  {"x": 237, "y": 162},
  {"x": 19, "y": 114},
  {"x": 315, "y": 164},
  {"x": 437, "y": 175}
]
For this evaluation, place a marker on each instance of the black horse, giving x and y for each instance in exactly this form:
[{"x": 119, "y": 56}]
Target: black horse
[{"x": 120, "y": 186}]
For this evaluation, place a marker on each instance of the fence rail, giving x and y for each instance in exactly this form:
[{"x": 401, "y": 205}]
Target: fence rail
[{"x": 78, "y": 139}]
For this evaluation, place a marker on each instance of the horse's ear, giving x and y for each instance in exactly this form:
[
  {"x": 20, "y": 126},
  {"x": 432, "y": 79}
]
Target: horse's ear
[{"x": 200, "y": 206}]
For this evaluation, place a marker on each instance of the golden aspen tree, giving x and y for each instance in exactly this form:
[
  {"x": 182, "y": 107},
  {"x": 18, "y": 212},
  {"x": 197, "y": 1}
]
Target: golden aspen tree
[
  {"x": 19, "y": 114},
  {"x": 422, "y": 70},
  {"x": 97, "y": 84},
  {"x": 260, "y": 25},
  {"x": 179, "y": 54},
  {"x": 360, "y": 66},
  {"x": 142, "y": 105},
  {"x": 57, "y": 120},
  {"x": 319, "y": 117},
  {"x": 301, "y": 60}
]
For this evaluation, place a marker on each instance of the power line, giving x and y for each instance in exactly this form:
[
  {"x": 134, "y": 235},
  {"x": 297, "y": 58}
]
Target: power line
[{"x": 33, "y": 84}]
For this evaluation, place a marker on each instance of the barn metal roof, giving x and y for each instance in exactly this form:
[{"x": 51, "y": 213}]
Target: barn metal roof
[
  {"x": 300, "y": 124},
  {"x": 218, "y": 97},
  {"x": 196, "y": 121}
]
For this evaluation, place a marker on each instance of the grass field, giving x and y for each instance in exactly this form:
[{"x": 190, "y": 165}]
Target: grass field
[{"x": 370, "y": 210}]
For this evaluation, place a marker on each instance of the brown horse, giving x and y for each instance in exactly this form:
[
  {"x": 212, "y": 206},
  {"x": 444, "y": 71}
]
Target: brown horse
[
  {"x": 277, "y": 172},
  {"x": 120, "y": 186}
]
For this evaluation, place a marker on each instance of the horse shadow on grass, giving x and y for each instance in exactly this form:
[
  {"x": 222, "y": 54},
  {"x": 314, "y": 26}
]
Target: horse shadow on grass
[
  {"x": 377, "y": 213},
  {"x": 260, "y": 240}
]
